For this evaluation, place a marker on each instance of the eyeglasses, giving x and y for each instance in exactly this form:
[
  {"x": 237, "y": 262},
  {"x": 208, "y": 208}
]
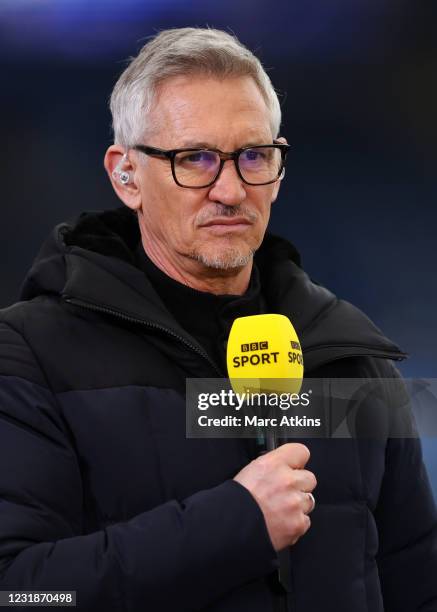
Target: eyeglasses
[{"x": 198, "y": 168}]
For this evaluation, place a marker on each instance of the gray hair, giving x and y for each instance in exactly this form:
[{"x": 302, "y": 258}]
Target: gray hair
[{"x": 178, "y": 52}]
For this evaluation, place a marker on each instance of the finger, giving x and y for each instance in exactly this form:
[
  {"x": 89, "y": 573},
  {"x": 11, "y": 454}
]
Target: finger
[
  {"x": 304, "y": 480},
  {"x": 294, "y": 454},
  {"x": 309, "y": 503},
  {"x": 304, "y": 526}
]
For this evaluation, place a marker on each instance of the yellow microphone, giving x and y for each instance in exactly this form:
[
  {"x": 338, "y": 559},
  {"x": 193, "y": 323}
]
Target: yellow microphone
[{"x": 264, "y": 355}]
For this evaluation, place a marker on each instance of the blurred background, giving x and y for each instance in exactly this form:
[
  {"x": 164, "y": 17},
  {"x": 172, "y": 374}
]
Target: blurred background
[{"x": 358, "y": 85}]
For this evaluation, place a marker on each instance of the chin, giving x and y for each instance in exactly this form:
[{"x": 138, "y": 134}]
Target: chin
[{"x": 224, "y": 258}]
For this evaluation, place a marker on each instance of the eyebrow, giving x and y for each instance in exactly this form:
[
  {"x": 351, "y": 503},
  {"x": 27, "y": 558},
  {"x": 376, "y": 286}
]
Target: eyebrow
[
  {"x": 196, "y": 145},
  {"x": 207, "y": 145}
]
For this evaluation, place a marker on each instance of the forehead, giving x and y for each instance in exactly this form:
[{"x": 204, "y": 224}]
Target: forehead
[{"x": 222, "y": 113}]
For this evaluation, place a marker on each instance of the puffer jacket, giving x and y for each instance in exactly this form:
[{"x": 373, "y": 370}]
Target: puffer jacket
[{"x": 102, "y": 493}]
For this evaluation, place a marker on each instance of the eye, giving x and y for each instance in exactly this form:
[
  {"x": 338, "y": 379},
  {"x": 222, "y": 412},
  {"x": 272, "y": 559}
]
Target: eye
[
  {"x": 253, "y": 155},
  {"x": 203, "y": 158}
]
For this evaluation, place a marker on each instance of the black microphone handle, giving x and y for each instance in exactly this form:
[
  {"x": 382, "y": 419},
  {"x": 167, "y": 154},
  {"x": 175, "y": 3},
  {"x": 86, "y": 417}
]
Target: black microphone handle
[
  {"x": 284, "y": 569},
  {"x": 271, "y": 441}
]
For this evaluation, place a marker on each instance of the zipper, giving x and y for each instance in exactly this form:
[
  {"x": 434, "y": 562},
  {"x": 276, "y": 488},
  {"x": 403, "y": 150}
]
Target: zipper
[
  {"x": 192, "y": 347},
  {"x": 336, "y": 356},
  {"x": 396, "y": 356},
  {"x": 136, "y": 320}
]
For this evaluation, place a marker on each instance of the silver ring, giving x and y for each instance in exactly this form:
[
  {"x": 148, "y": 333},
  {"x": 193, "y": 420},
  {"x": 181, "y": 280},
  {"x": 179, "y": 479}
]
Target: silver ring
[{"x": 311, "y": 496}]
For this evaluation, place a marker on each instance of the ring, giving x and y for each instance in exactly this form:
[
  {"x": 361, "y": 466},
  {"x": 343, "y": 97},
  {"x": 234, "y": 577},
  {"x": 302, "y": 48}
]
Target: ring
[{"x": 311, "y": 496}]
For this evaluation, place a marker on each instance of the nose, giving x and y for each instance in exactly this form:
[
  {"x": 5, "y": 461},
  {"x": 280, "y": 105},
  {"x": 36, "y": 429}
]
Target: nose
[{"x": 228, "y": 188}]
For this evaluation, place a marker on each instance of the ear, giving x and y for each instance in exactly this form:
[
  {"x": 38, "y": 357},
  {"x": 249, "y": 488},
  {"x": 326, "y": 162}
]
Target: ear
[
  {"x": 119, "y": 166},
  {"x": 277, "y": 185}
]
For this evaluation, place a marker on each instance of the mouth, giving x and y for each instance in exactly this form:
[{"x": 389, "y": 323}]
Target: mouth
[{"x": 228, "y": 223}]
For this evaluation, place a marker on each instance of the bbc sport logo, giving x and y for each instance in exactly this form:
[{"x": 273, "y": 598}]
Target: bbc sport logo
[{"x": 255, "y": 346}]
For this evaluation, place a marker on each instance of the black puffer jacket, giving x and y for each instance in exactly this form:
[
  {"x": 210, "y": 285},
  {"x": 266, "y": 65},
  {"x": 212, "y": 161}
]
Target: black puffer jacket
[{"x": 102, "y": 493}]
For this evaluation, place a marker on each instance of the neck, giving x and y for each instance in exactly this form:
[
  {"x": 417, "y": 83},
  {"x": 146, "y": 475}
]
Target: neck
[{"x": 194, "y": 274}]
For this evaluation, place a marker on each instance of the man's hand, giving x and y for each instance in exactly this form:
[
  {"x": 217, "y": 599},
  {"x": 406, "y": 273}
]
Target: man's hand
[{"x": 280, "y": 485}]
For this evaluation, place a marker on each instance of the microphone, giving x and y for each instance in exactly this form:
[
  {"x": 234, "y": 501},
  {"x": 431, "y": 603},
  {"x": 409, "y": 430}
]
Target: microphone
[{"x": 264, "y": 355}]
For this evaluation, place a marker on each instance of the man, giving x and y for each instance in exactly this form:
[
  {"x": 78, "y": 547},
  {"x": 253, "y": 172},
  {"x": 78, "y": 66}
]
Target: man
[{"x": 101, "y": 491}]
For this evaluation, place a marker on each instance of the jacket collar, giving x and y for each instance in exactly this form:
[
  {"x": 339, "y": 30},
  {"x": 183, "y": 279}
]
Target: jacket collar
[{"x": 91, "y": 261}]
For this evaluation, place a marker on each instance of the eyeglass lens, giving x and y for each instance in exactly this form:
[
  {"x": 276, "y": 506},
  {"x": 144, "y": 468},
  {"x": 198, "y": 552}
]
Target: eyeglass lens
[{"x": 257, "y": 165}]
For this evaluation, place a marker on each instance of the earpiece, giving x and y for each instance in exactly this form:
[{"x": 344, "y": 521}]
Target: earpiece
[
  {"x": 281, "y": 176},
  {"x": 121, "y": 175},
  {"x": 124, "y": 177}
]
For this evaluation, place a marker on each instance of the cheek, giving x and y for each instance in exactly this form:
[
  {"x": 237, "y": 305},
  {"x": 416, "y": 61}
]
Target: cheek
[
  {"x": 185, "y": 207},
  {"x": 164, "y": 207},
  {"x": 262, "y": 199}
]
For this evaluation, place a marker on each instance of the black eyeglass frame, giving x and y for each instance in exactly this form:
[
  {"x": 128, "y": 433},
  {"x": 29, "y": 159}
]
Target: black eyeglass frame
[{"x": 234, "y": 155}]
